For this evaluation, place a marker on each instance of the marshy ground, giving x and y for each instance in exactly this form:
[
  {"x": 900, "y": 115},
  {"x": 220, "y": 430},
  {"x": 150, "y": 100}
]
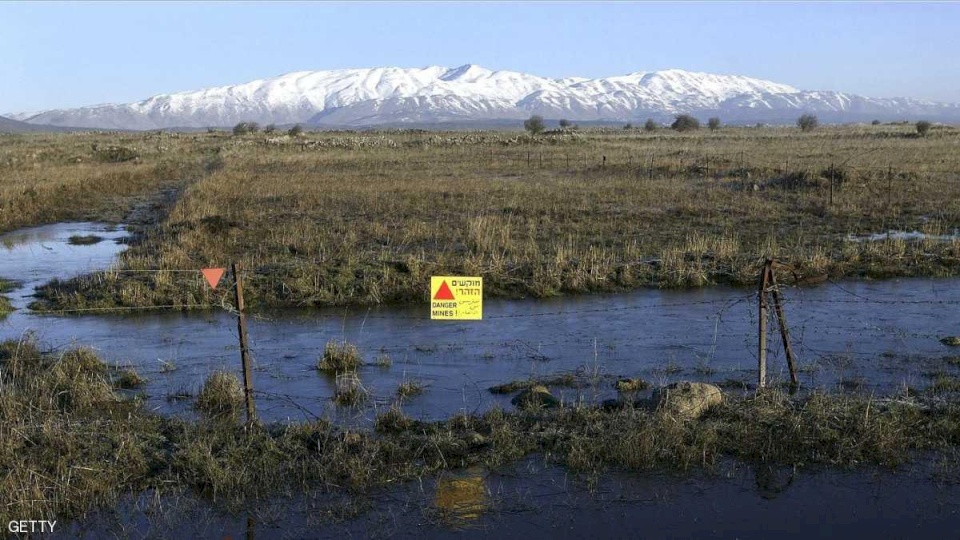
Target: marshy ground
[
  {"x": 73, "y": 440},
  {"x": 365, "y": 218}
]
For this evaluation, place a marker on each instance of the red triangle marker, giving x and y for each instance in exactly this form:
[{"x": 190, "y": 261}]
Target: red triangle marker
[
  {"x": 444, "y": 292},
  {"x": 213, "y": 275}
]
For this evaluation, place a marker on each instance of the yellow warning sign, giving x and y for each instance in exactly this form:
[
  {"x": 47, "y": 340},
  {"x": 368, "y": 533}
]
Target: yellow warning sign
[{"x": 456, "y": 298}]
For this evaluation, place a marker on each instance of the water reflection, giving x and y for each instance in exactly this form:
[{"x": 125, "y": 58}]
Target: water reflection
[
  {"x": 461, "y": 498},
  {"x": 32, "y": 257},
  {"x": 772, "y": 480}
]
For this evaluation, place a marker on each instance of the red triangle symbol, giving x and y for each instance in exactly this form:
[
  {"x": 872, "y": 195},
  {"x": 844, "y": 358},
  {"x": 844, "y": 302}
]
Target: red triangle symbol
[
  {"x": 444, "y": 293},
  {"x": 213, "y": 275}
]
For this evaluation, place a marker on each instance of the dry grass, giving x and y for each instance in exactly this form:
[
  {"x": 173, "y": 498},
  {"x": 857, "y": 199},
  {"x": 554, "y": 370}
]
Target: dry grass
[
  {"x": 366, "y": 218},
  {"x": 221, "y": 394},
  {"x": 408, "y": 389},
  {"x": 5, "y": 287},
  {"x": 339, "y": 356},
  {"x": 350, "y": 391},
  {"x": 567, "y": 380},
  {"x": 128, "y": 379},
  {"x": 631, "y": 385}
]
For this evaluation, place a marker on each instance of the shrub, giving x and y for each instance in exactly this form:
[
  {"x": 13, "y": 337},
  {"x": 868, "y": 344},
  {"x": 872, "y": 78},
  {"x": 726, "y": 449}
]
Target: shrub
[
  {"x": 650, "y": 125},
  {"x": 295, "y": 131},
  {"x": 246, "y": 127},
  {"x": 807, "y": 122},
  {"x": 114, "y": 154},
  {"x": 875, "y": 123},
  {"x": 713, "y": 123},
  {"x": 270, "y": 128},
  {"x": 923, "y": 127},
  {"x": 534, "y": 124},
  {"x": 628, "y": 126},
  {"x": 685, "y": 122},
  {"x": 564, "y": 123}
]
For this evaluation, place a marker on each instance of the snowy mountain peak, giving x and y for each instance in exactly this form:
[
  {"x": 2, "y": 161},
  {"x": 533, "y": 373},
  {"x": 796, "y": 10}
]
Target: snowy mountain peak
[{"x": 390, "y": 95}]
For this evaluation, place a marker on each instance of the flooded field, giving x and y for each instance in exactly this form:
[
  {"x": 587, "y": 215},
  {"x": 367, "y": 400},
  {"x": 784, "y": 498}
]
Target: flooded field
[
  {"x": 858, "y": 336},
  {"x": 534, "y": 500}
]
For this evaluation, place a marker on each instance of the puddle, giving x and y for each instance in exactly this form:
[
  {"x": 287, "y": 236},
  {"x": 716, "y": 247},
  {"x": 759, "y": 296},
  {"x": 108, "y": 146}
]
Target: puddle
[
  {"x": 861, "y": 336},
  {"x": 35, "y": 256},
  {"x": 902, "y": 235},
  {"x": 533, "y": 500}
]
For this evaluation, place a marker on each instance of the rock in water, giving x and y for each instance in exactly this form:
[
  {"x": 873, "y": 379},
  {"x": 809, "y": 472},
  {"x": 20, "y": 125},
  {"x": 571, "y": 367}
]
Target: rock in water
[
  {"x": 535, "y": 396},
  {"x": 687, "y": 400},
  {"x": 952, "y": 341}
]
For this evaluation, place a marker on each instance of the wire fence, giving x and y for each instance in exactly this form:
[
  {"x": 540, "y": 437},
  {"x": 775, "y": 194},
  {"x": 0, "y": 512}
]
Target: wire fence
[{"x": 833, "y": 321}]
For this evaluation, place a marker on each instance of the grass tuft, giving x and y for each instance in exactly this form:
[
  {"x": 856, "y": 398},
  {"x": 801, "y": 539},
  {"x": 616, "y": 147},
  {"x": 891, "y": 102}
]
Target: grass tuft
[
  {"x": 409, "y": 389},
  {"x": 339, "y": 356},
  {"x": 128, "y": 379},
  {"x": 221, "y": 394},
  {"x": 631, "y": 385},
  {"x": 350, "y": 391}
]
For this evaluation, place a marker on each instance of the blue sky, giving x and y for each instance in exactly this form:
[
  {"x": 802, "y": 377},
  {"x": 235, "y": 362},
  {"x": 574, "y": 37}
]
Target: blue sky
[{"x": 67, "y": 55}]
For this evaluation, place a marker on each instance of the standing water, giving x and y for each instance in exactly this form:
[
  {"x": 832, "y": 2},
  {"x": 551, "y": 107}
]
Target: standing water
[{"x": 863, "y": 336}]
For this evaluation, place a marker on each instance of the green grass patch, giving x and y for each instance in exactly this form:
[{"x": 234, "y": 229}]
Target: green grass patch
[{"x": 84, "y": 240}]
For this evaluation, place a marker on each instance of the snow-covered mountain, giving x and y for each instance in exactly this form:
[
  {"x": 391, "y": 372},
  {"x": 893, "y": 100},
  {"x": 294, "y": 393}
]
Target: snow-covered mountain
[{"x": 364, "y": 97}]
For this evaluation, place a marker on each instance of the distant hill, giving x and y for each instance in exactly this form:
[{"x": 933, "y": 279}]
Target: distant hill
[
  {"x": 9, "y": 125},
  {"x": 436, "y": 96}
]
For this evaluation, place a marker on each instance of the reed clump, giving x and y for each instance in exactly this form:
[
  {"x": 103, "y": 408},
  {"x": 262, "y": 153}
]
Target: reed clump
[
  {"x": 339, "y": 356},
  {"x": 221, "y": 393}
]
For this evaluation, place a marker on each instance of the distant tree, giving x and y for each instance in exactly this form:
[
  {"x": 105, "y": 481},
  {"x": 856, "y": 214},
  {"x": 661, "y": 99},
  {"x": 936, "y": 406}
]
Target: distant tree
[
  {"x": 713, "y": 123},
  {"x": 534, "y": 124},
  {"x": 650, "y": 125},
  {"x": 295, "y": 131},
  {"x": 564, "y": 123},
  {"x": 923, "y": 127},
  {"x": 685, "y": 122},
  {"x": 875, "y": 123},
  {"x": 270, "y": 128},
  {"x": 807, "y": 122},
  {"x": 628, "y": 125},
  {"x": 246, "y": 127}
]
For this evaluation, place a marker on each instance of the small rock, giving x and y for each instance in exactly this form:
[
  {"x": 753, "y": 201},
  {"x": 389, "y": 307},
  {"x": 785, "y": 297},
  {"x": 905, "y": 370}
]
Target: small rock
[
  {"x": 687, "y": 400},
  {"x": 951, "y": 341},
  {"x": 534, "y": 397}
]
